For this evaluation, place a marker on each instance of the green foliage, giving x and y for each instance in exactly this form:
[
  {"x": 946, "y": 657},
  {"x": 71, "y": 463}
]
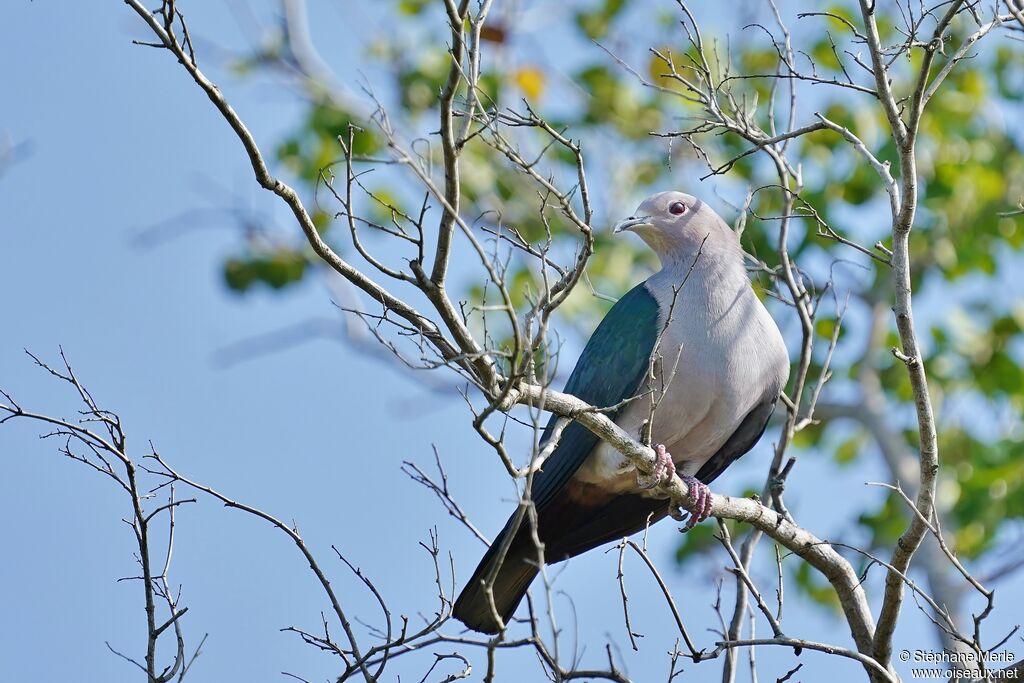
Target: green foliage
[
  {"x": 275, "y": 269},
  {"x": 699, "y": 540},
  {"x": 848, "y": 450},
  {"x": 987, "y": 484},
  {"x": 412, "y": 7},
  {"x": 888, "y": 521},
  {"x": 814, "y": 586},
  {"x": 595, "y": 23},
  {"x": 314, "y": 148}
]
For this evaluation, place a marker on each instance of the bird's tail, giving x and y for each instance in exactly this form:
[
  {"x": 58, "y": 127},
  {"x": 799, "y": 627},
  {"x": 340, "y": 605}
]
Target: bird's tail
[
  {"x": 567, "y": 529},
  {"x": 513, "y": 578}
]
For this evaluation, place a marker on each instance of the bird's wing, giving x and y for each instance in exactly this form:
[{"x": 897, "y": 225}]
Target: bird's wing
[{"x": 611, "y": 368}]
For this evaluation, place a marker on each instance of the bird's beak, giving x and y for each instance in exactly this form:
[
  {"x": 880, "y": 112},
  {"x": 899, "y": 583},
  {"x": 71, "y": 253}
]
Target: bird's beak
[{"x": 630, "y": 223}]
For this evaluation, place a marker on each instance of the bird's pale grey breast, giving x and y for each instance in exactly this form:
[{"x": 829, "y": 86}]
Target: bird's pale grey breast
[{"x": 720, "y": 355}]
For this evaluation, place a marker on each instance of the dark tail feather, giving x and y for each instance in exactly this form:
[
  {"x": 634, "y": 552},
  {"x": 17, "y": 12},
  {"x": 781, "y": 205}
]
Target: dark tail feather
[
  {"x": 567, "y": 528},
  {"x": 622, "y": 516},
  {"x": 473, "y": 608}
]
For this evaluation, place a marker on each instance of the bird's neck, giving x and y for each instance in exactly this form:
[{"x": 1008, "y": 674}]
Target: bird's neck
[
  {"x": 714, "y": 261},
  {"x": 703, "y": 282}
]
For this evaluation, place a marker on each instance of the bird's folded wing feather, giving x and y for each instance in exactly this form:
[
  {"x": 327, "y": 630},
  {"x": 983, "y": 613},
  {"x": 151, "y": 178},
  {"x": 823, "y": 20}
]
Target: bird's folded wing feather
[{"x": 611, "y": 369}]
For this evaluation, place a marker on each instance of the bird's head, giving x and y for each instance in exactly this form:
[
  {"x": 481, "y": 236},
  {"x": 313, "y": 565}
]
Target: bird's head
[{"x": 677, "y": 225}]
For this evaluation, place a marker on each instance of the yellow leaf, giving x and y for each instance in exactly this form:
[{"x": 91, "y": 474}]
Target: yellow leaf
[
  {"x": 657, "y": 69},
  {"x": 530, "y": 80}
]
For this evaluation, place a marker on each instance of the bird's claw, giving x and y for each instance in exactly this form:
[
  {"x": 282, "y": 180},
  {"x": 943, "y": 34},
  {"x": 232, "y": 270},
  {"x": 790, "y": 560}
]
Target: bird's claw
[
  {"x": 700, "y": 494},
  {"x": 664, "y": 469}
]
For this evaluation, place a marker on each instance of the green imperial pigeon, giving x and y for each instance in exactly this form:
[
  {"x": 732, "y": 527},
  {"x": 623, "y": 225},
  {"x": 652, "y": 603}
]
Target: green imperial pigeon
[{"x": 719, "y": 365}]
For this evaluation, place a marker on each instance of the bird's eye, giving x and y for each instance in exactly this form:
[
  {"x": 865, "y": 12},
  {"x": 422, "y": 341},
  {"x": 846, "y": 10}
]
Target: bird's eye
[{"x": 677, "y": 208}]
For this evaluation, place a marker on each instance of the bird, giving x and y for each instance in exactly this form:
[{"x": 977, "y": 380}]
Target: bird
[{"x": 695, "y": 342}]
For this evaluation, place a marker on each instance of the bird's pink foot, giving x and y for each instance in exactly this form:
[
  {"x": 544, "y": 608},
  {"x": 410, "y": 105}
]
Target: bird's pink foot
[
  {"x": 664, "y": 469},
  {"x": 701, "y": 496}
]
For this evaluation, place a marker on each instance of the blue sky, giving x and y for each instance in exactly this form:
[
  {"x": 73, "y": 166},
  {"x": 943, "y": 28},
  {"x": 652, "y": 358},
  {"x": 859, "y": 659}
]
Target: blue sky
[{"x": 119, "y": 140}]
